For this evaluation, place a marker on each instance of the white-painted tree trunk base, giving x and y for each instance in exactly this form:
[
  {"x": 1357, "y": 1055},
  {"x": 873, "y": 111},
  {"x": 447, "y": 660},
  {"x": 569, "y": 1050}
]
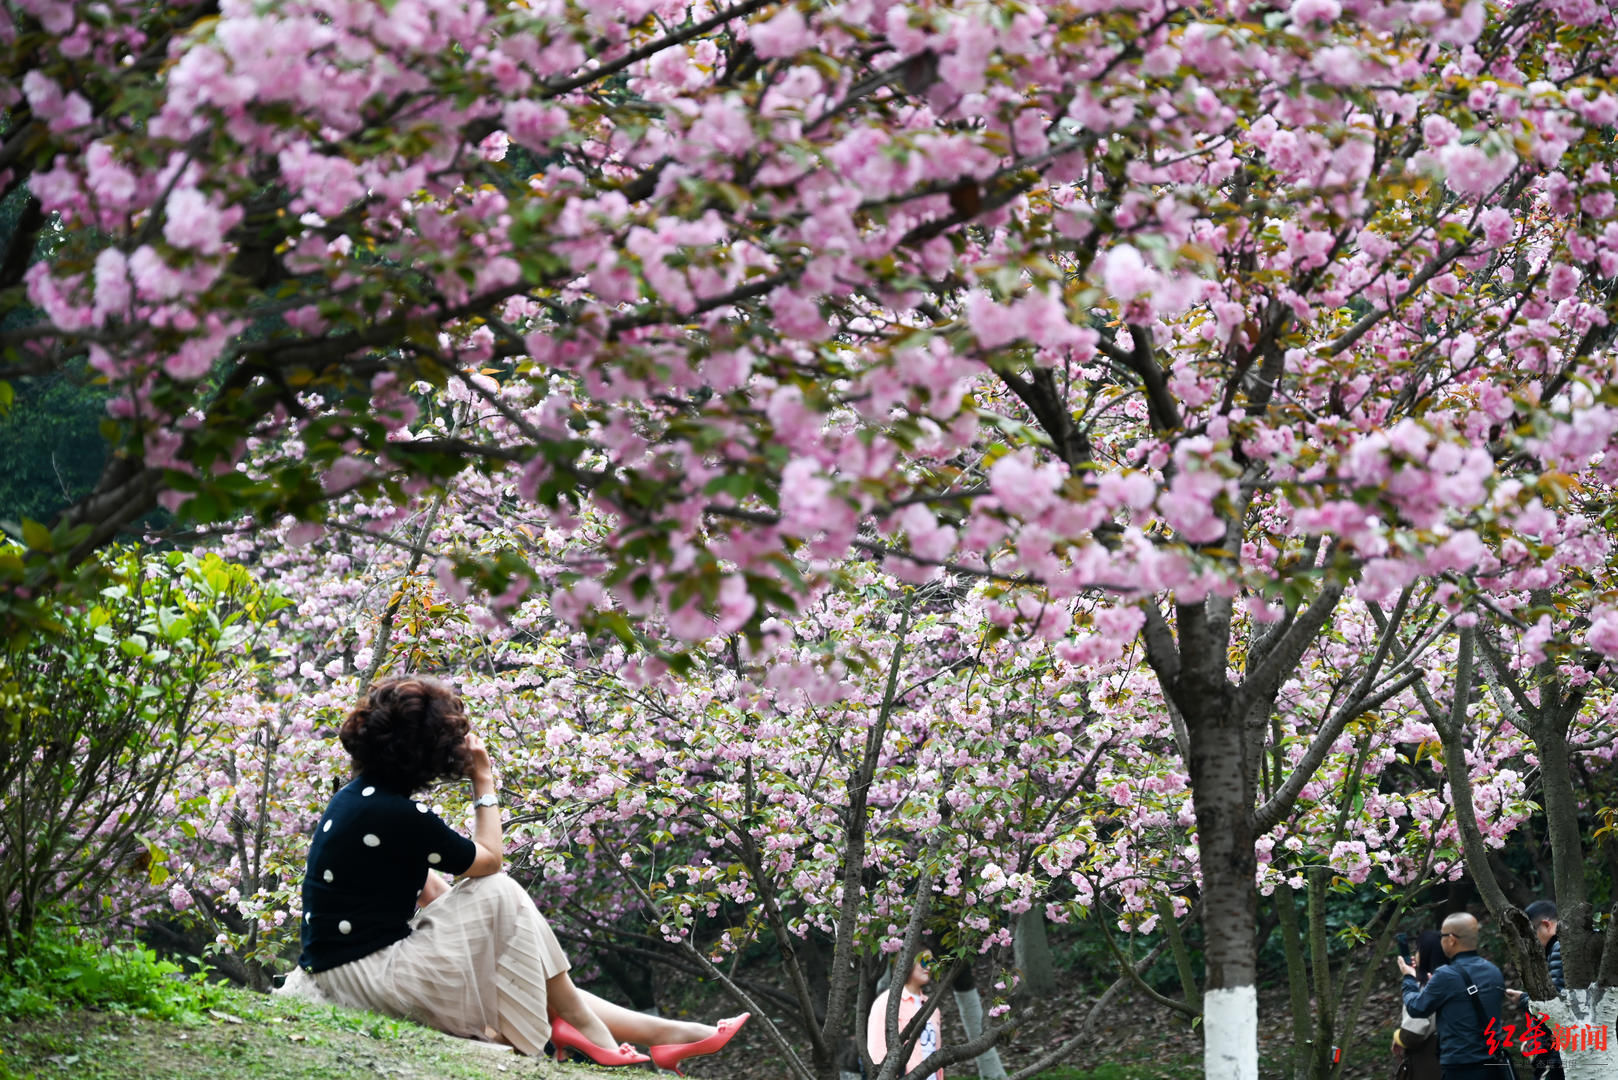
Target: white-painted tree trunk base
[
  {"x": 970, "y": 1003},
  {"x": 1596, "y": 1006},
  {"x": 1230, "y": 1033}
]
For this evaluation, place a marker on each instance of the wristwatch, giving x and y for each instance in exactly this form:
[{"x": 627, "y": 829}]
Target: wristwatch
[{"x": 491, "y": 799}]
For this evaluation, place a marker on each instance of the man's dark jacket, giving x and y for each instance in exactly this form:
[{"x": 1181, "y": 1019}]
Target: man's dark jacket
[
  {"x": 1550, "y": 1064},
  {"x": 1460, "y": 1035},
  {"x": 1553, "y": 955}
]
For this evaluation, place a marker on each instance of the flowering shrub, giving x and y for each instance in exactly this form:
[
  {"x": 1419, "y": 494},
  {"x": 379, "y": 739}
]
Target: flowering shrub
[{"x": 105, "y": 713}]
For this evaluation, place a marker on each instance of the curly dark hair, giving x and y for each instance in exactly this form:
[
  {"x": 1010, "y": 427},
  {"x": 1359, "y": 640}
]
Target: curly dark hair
[{"x": 408, "y": 731}]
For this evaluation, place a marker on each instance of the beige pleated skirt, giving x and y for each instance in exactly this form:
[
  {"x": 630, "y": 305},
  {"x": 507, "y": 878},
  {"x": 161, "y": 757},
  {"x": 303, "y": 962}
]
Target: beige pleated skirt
[{"x": 475, "y": 963}]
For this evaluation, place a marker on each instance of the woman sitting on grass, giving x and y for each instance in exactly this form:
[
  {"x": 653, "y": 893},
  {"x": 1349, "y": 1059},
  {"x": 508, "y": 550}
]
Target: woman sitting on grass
[{"x": 478, "y": 959}]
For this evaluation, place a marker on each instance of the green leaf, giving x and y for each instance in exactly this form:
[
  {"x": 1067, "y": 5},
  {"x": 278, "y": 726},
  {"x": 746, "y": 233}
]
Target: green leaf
[
  {"x": 736, "y": 485},
  {"x": 36, "y": 535},
  {"x": 175, "y": 627}
]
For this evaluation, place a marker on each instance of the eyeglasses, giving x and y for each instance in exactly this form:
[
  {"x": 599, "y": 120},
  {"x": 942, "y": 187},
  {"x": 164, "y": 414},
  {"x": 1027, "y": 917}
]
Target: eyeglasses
[{"x": 1441, "y": 937}]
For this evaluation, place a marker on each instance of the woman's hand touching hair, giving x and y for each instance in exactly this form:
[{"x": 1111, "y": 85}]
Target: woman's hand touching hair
[{"x": 479, "y": 767}]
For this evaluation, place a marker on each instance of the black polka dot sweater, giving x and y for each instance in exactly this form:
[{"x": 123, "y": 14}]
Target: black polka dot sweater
[{"x": 369, "y": 858}]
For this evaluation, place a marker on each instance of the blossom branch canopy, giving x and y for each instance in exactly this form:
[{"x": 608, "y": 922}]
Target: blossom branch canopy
[{"x": 1051, "y": 291}]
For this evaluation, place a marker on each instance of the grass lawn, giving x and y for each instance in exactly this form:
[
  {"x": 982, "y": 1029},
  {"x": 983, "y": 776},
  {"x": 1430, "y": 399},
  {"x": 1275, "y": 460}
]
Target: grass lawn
[{"x": 249, "y": 1035}]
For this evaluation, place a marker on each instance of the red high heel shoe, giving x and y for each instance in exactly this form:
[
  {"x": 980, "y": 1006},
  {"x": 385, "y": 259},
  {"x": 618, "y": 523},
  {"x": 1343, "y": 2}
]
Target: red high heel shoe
[
  {"x": 669, "y": 1055},
  {"x": 564, "y": 1036}
]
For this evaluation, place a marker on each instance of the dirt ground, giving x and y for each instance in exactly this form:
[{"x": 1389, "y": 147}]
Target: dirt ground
[{"x": 1142, "y": 1039}]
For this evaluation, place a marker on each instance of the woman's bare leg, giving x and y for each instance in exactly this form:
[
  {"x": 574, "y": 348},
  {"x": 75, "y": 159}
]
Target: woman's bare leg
[
  {"x": 630, "y": 1026},
  {"x": 575, "y": 1006}
]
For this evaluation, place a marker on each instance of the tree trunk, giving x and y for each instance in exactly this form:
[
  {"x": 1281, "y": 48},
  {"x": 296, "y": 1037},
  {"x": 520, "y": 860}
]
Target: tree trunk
[
  {"x": 816, "y": 956},
  {"x": 1586, "y": 1005},
  {"x": 1223, "y": 788},
  {"x": 1031, "y": 951},
  {"x": 1297, "y": 978},
  {"x": 1320, "y": 1054},
  {"x": 1593, "y": 1009},
  {"x": 1581, "y": 944},
  {"x": 1224, "y": 809},
  {"x": 970, "y": 1005},
  {"x": 1182, "y": 953},
  {"x": 1584, "y": 1002}
]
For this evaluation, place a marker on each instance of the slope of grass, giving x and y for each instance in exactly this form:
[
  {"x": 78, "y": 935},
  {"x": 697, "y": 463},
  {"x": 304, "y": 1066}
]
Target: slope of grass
[{"x": 247, "y": 1035}]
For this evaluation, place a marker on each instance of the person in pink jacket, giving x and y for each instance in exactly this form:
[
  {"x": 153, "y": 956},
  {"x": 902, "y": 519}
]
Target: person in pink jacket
[{"x": 911, "y": 1001}]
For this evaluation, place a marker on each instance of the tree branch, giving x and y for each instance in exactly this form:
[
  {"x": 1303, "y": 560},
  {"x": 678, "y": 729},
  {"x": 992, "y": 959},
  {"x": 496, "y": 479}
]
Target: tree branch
[
  {"x": 1360, "y": 702},
  {"x": 1281, "y": 660},
  {"x": 652, "y": 48}
]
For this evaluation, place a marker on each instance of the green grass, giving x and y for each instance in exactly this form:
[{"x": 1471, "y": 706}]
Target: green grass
[
  {"x": 247, "y": 1035},
  {"x": 77, "y": 1009},
  {"x": 67, "y": 969}
]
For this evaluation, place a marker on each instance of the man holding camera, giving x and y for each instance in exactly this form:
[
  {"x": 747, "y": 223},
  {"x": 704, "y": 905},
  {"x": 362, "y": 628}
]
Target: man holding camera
[{"x": 1464, "y": 996}]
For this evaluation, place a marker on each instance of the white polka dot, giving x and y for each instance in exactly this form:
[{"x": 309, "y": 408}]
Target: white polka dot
[
  {"x": 435, "y": 858},
  {"x": 421, "y": 808},
  {"x": 345, "y": 927},
  {"x": 327, "y": 875},
  {"x": 326, "y": 827},
  {"x": 369, "y": 791},
  {"x": 372, "y": 840}
]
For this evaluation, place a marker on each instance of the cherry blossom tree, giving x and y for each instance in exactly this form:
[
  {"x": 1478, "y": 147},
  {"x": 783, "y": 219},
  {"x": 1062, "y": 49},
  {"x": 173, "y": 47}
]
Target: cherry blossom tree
[
  {"x": 1371, "y": 813},
  {"x": 1377, "y": 810},
  {"x": 579, "y": 731},
  {"x": 1057, "y": 781},
  {"x": 1217, "y": 310},
  {"x": 1540, "y": 655}
]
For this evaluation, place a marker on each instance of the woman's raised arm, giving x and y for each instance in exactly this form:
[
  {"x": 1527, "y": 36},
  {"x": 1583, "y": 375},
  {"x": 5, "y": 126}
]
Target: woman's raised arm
[{"x": 486, "y": 832}]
